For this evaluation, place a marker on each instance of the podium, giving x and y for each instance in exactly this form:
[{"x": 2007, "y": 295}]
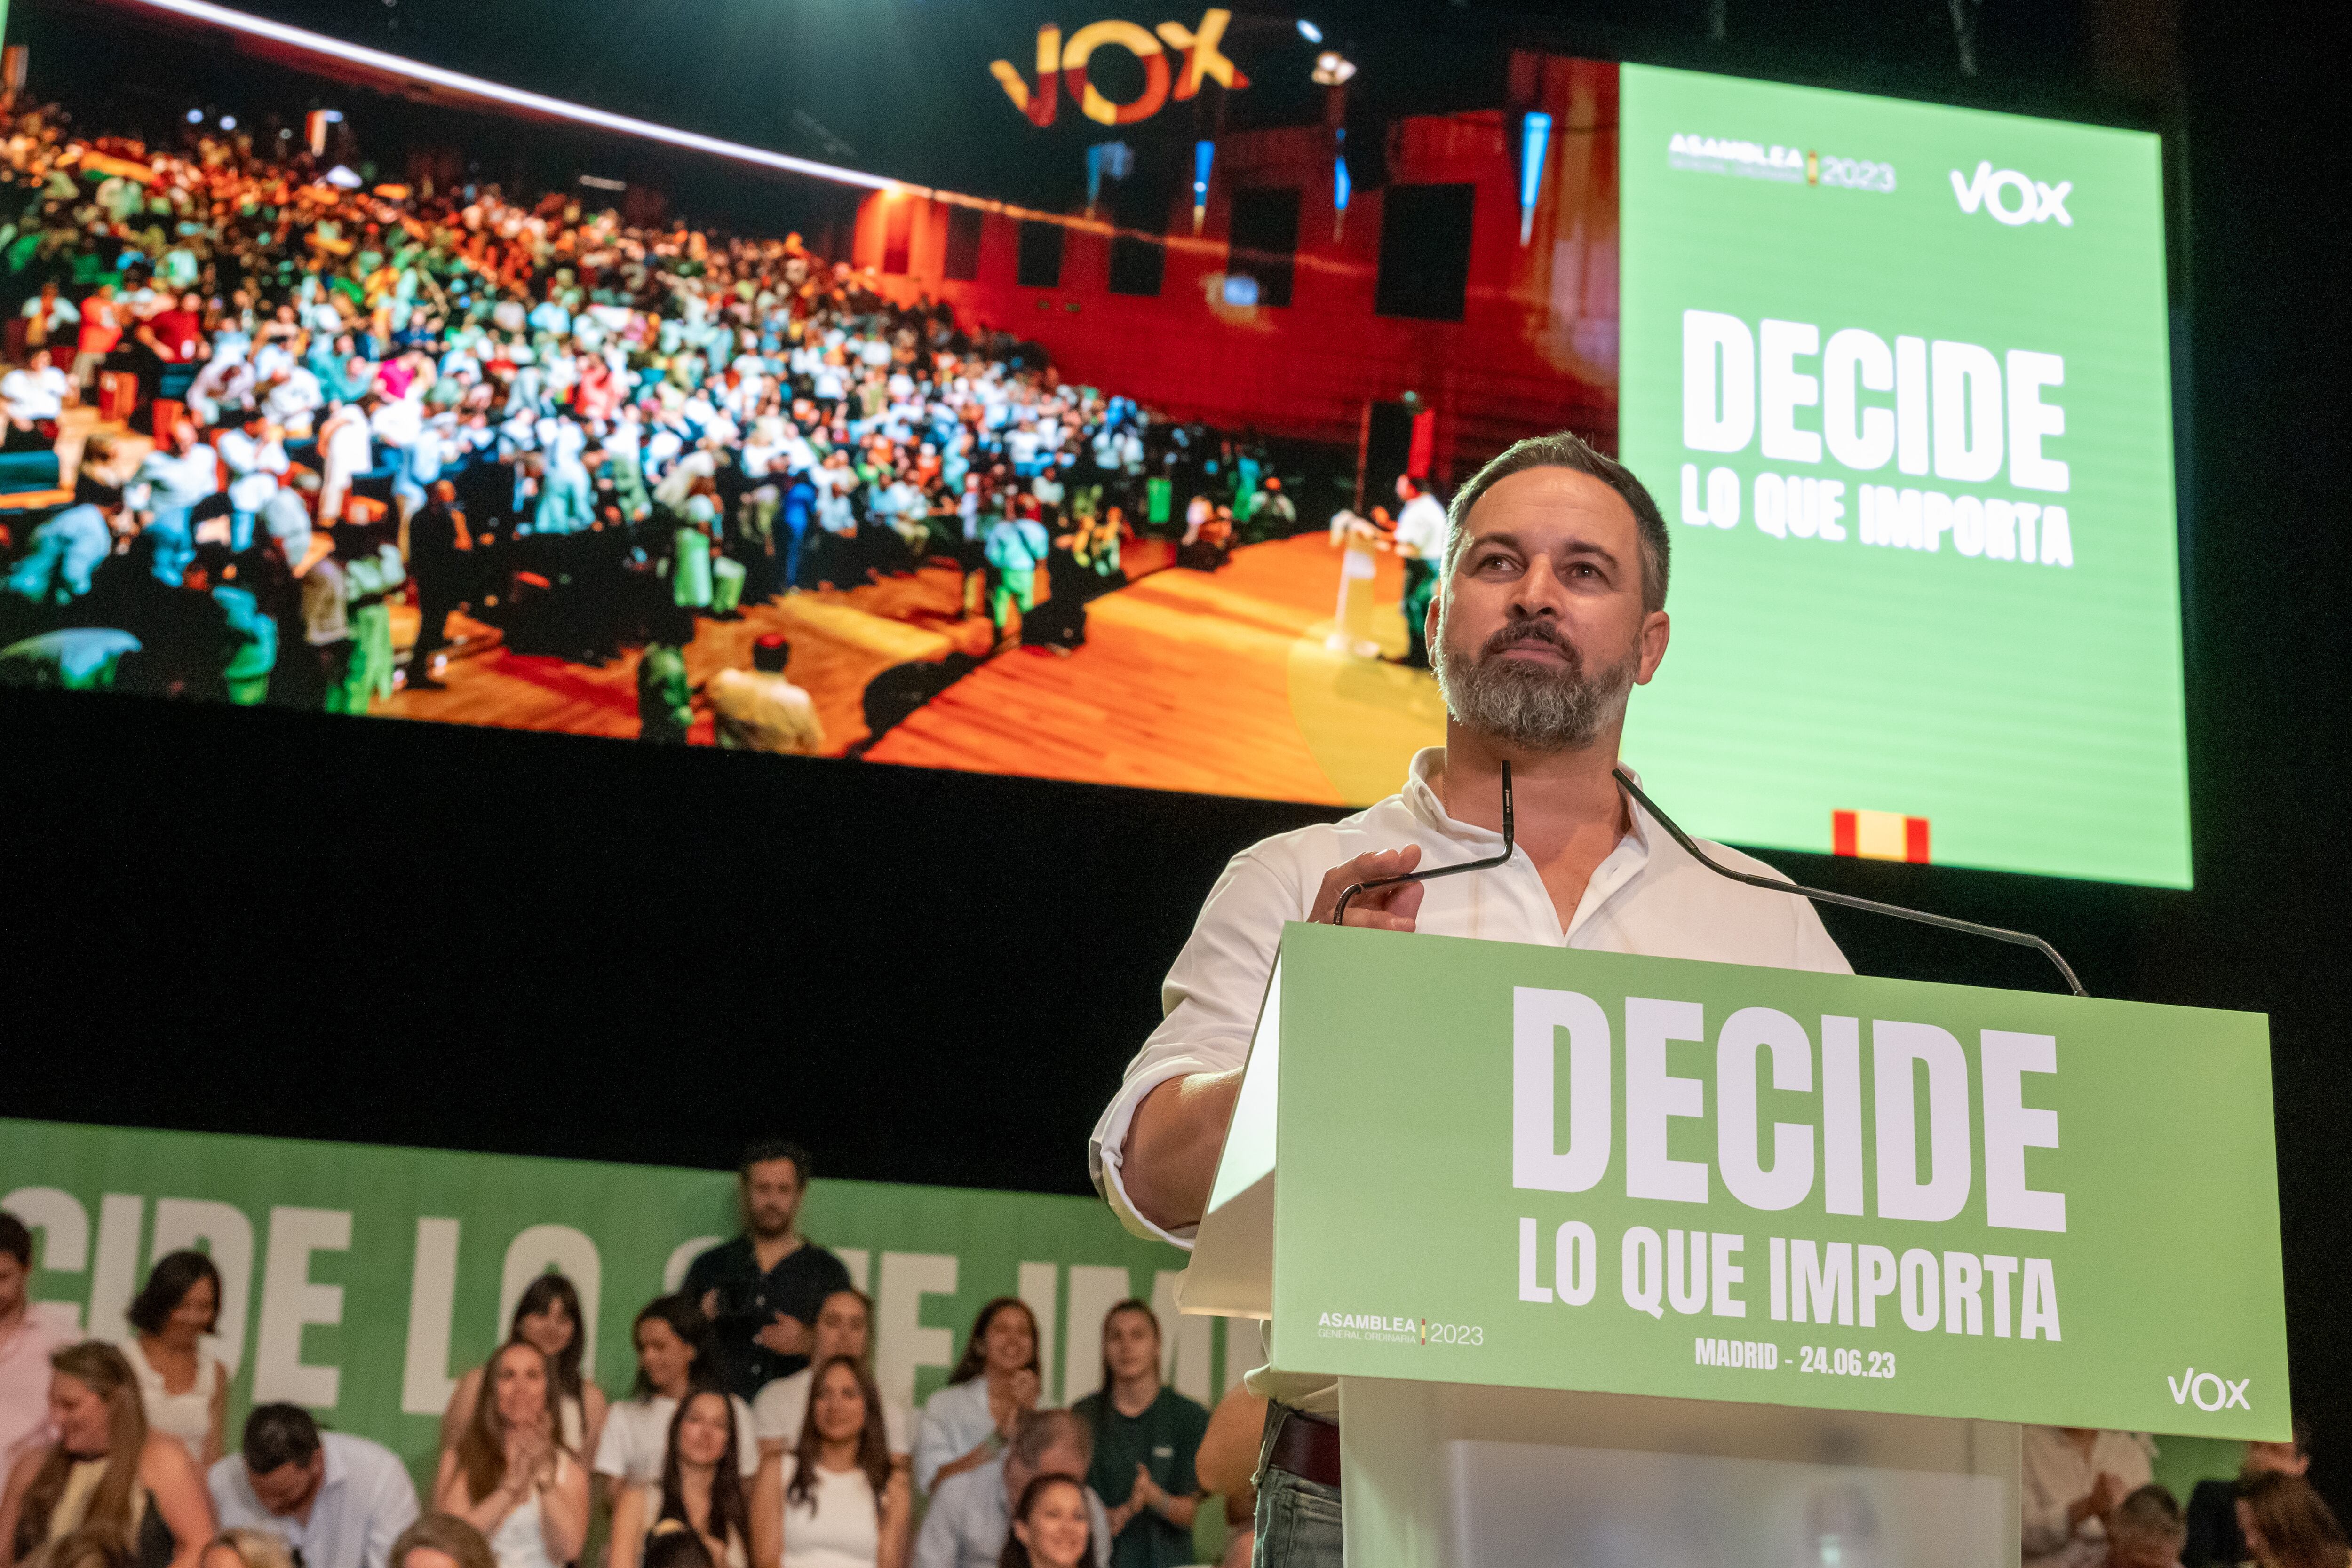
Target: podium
[{"x": 1632, "y": 1261}]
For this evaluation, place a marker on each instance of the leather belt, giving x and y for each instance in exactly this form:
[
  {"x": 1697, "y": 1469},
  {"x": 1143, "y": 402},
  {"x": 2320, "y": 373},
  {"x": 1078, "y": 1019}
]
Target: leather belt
[{"x": 1306, "y": 1447}]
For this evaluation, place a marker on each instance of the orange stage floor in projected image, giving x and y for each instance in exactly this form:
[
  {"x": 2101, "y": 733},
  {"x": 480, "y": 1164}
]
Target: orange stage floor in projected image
[{"x": 1217, "y": 683}]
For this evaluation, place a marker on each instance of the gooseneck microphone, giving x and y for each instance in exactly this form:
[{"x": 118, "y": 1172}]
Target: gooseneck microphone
[
  {"x": 1339, "y": 914},
  {"x": 1819, "y": 895}
]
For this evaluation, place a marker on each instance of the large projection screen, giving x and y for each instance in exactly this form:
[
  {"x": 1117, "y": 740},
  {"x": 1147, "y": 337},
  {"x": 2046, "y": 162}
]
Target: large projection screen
[{"x": 1873, "y": 350}]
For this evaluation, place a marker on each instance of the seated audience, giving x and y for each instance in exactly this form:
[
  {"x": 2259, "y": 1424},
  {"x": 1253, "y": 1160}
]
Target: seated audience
[
  {"x": 844, "y": 1328},
  {"x": 2286, "y": 1524},
  {"x": 970, "y": 1515},
  {"x": 337, "y": 1500},
  {"x": 25, "y": 1345},
  {"x": 184, "y": 1390},
  {"x": 991, "y": 1387},
  {"x": 673, "y": 1356},
  {"x": 1145, "y": 1437},
  {"x": 106, "y": 1474},
  {"x": 511, "y": 1475},
  {"x": 841, "y": 1503},
  {"x": 2213, "y": 1539},
  {"x": 2070, "y": 1478},
  {"x": 1050, "y": 1526},
  {"x": 441, "y": 1540},
  {"x": 702, "y": 1486},
  {"x": 547, "y": 1316}
]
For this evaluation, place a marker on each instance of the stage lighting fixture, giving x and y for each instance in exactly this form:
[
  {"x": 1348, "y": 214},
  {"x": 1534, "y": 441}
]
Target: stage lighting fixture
[
  {"x": 229, "y": 123},
  {"x": 195, "y": 117},
  {"x": 1241, "y": 288},
  {"x": 1309, "y": 31},
  {"x": 1342, "y": 187},
  {"x": 1204, "y": 154},
  {"x": 342, "y": 179},
  {"x": 1332, "y": 68},
  {"x": 332, "y": 115},
  {"x": 1535, "y": 142}
]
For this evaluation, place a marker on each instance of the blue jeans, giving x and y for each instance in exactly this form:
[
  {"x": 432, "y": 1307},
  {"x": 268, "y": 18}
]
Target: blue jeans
[{"x": 1297, "y": 1520}]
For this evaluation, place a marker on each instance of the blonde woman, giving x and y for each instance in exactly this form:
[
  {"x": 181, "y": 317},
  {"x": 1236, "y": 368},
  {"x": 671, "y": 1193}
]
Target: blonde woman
[
  {"x": 246, "y": 1549},
  {"x": 107, "y": 1474},
  {"x": 511, "y": 1476}
]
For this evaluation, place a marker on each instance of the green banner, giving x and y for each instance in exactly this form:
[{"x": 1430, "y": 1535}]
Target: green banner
[
  {"x": 1898, "y": 374},
  {"x": 1541, "y": 1168},
  {"x": 363, "y": 1280}
]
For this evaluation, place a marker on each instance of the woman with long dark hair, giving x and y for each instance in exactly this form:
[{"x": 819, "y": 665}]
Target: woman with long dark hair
[
  {"x": 674, "y": 1354},
  {"x": 702, "y": 1486},
  {"x": 1050, "y": 1527},
  {"x": 839, "y": 1501},
  {"x": 184, "y": 1391},
  {"x": 108, "y": 1478},
  {"x": 511, "y": 1475},
  {"x": 547, "y": 1314},
  {"x": 994, "y": 1385}
]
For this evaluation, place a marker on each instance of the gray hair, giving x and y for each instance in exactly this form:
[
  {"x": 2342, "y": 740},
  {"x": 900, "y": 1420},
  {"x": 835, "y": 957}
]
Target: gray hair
[
  {"x": 1567, "y": 450},
  {"x": 2150, "y": 1514},
  {"x": 1041, "y": 1431}
]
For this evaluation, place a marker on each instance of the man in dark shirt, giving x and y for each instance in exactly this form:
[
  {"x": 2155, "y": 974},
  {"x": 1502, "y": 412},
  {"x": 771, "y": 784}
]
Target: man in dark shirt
[
  {"x": 439, "y": 548},
  {"x": 761, "y": 1292}
]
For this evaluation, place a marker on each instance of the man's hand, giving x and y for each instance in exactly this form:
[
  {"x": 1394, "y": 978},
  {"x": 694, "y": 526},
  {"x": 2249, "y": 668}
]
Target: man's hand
[
  {"x": 1020, "y": 1396},
  {"x": 785, "y": 1336},
  {"x": 1378, "y": 908}
]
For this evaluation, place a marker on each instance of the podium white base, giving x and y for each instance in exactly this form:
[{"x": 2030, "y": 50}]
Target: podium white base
[{"x": 1439, "y": 1475}]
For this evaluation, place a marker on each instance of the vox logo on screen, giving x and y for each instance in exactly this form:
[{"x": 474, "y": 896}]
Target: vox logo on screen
[
  {"x": 2013, "y": 198},
  {"x": 1062, "y": 68}
]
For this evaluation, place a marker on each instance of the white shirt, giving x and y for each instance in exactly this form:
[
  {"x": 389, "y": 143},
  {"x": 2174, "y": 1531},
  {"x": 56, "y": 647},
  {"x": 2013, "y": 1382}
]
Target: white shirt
[
  {"x": 837, "y": 1526},
  {"x": 1422, "y": 524},
  {"x": 782, "y": 1407},
  {"x": 1648, "y": 896},
  {"x": 187, "y": 1416},
  {"x": 956, "y": 1420},
  {"x": 254, "y": 466},
  {"x": 365, "y": 1501},
  {"x": 971, "y": 1519},
  {"x": 636, "y": 1435},
  {"x": 34, "y": 394},
  {"x": 2052, "y": 1472},
  {"x": 25, "y": 1385}
]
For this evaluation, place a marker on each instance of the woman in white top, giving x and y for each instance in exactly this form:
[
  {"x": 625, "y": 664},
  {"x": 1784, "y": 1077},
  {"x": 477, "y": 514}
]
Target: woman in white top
[
  {"x": 548, "y": 1316},
  {"x": 511, "y": 1476},
  {"x": 994, "y": 1385},
  {"x": 841, "y": 1502},
  {"x": 673, "y": 1343},
  {"x": 184, "y": 1390},
  {"x": 1052, "y": 1527},
  {"x": 702, "y": 1486},
  {"x": 844, "y": 1326}
]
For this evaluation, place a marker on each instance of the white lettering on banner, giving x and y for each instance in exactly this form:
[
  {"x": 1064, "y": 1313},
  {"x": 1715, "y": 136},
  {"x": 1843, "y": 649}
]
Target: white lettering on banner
[
  {"x": 1824, "y": 1282},
  {"x": 554, "y": 1250},
  {"x": 1039, "y": 1286},
  {"x": 1877, "y": 1280},
  {"x": 291, "y": 1303},
  {"x": 1531, "y": 1288},
  {"x": 2190, "y": 1388},
  {"x": 1576, "y": 1263},
  {"x": 1755, "y": 1356},
  {"x": 1745, "y": 1035},
  {"x": 2000, "y": 1269},
  {"x": 2013, "y": 198},
  {"x": 1653, "y": 1096},
  {"x": 901, "y": 1342},
  {"x": 1895, "y": 1048},
  {"x": 64, "y": 1226},
  {"x": 1727, "y": 1273},
  {"x": 1537, "y": 1160},
  {"x": 1642, "y": 1269},
  {"x": 1686, "y": 1271},
  {"x": 681, "y": 1259},
  {"x": 425, "y": 1385},
  {"x": 1963, "y": 1305},
  {"x": 1094, "y": 1289},
  {"x": 2038, "y": 1308},
  {"x": 114, "y": 1274},
  {"x": 855, "y": 1261},
  {"x": 1959, "y": 410},
  {"x": 227, "y": 1236}
]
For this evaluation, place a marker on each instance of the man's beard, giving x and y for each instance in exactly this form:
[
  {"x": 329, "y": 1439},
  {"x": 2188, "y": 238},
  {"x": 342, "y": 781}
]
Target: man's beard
[{"x": 1526, "y": 703}]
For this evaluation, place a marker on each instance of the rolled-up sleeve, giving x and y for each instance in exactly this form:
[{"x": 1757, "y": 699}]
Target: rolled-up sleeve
[{"x": 1208, "y": 1005}]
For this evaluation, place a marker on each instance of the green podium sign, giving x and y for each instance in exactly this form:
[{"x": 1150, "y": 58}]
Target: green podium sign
[{"x": 1547, "y": 1168}]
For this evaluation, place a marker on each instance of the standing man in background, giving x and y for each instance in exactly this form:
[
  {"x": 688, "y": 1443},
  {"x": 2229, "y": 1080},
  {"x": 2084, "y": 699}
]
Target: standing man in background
[
  {"x": 1420, "y": 544},
  {"x": 762, "y": 1291},
  {"x": 1553, "y": 610}
]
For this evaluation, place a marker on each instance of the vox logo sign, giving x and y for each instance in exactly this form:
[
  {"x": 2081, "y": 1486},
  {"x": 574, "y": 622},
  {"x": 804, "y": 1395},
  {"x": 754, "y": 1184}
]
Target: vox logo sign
[
  {"x": 2207, "y": 1391},
  {"x": 2013, "y": 198},
  {"x": 1196, "y": 53}
]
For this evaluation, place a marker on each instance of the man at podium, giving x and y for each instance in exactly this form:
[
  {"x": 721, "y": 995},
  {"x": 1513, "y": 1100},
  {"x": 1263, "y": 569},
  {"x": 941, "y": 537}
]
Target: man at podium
[{"x": 1550, "y": 610}]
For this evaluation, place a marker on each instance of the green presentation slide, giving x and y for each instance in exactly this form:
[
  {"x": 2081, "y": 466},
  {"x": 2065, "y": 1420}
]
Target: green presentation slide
[{"x": 1897, "y": 373}]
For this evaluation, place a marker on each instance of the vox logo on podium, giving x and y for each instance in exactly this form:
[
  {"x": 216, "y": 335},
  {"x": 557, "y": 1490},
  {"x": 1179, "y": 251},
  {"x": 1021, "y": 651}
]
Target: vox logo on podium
[
  {"x": 2208, "y": 1391},
  {"x": 1061, "y": 67},
  {"x": 2013, "y": 198}
]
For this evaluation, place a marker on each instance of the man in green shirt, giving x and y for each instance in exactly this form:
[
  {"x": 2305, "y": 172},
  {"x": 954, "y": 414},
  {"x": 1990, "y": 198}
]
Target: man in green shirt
[{"x": 1146, "y": 1435}]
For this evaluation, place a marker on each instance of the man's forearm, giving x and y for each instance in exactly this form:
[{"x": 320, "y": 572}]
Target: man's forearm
[{"x": 1171, "y": 1158}]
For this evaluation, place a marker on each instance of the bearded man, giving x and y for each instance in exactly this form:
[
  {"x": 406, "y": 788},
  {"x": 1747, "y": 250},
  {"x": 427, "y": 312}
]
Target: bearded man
[{"x": 1552, "y": 610}]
